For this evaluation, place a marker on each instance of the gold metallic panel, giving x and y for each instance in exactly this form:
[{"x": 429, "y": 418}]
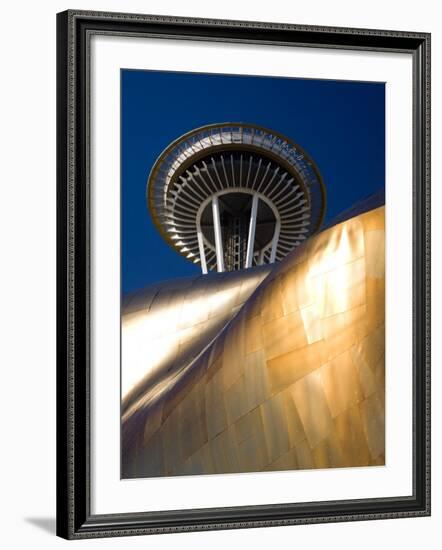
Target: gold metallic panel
[
  {"x": 253, "y": 336},
  {"x": 286, "y": 369},
  {"x": 295, "y": 429},
  {"x": 349, "y": 429},
  {"x": 273, "y": 414},
  {"x": 329, "y": 452},
  {"x": 250, "y": 438},
  {"x": 341, "y": 383},
  {"x": 272, "y": 303},
  {"x": 256, "y": 379},
  {"x": 283, "y": 335},
  {"x": 217, "y": 421},
  {"x": 288, "y": 461},
  {"x": 263, "y": 369},
  {"x": 372, "y": 411},
  {"x": 313, "y": 407},
  {"x": 304, "y": 456}
]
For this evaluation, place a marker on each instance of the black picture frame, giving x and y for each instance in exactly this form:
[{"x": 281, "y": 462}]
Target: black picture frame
[{"x": 74, "y": 518}]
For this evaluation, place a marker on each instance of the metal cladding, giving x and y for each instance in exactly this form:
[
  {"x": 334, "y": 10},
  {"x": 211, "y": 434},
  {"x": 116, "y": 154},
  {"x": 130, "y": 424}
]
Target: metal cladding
[
  {"x": 294, "y": 380},
  {"x": 166, "y": 326},
  {"x": 233, "y": 196}
]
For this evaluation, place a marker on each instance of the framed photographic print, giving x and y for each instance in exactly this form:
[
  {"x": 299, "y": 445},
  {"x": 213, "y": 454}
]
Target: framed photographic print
[{"x": 243, "y": 274}]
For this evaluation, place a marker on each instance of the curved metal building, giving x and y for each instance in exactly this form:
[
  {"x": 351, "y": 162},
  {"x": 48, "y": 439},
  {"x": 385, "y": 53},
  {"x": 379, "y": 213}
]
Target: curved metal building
[
  {"x": 273, "y": 368},
  {"x": 233, "y": 196}
]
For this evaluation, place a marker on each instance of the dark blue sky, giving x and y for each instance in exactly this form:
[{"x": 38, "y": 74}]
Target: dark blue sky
[{"x": 340, "y": 124}]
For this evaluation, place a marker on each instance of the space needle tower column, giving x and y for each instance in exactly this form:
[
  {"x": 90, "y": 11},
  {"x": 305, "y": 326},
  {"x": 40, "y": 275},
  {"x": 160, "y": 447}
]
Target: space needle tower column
[{"x": 232, "y": 196}]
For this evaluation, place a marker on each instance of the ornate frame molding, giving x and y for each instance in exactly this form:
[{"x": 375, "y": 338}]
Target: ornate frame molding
[{"x": 74, "y": 29}]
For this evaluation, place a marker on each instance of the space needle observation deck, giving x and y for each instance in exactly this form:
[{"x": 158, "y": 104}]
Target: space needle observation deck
[{"x": 232, "y": 196}]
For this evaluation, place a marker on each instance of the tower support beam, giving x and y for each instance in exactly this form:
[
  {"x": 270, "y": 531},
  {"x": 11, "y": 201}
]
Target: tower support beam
[
  {"x": 252, "y": 230},
  {"x": 218, "y": 235},
  {"x": 275, "y": 241},
  {"x": 202, "y": 252}
]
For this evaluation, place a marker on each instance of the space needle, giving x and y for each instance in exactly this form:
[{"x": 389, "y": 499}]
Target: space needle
[{"x": 233, "y": 196}]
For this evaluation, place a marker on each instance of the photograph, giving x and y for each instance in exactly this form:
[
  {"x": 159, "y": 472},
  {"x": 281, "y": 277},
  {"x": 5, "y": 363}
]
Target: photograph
[
  {"x": 252, "y": 273},
  {"x": 243, "y": 274},
  {"x": 220, "y": 238}
]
